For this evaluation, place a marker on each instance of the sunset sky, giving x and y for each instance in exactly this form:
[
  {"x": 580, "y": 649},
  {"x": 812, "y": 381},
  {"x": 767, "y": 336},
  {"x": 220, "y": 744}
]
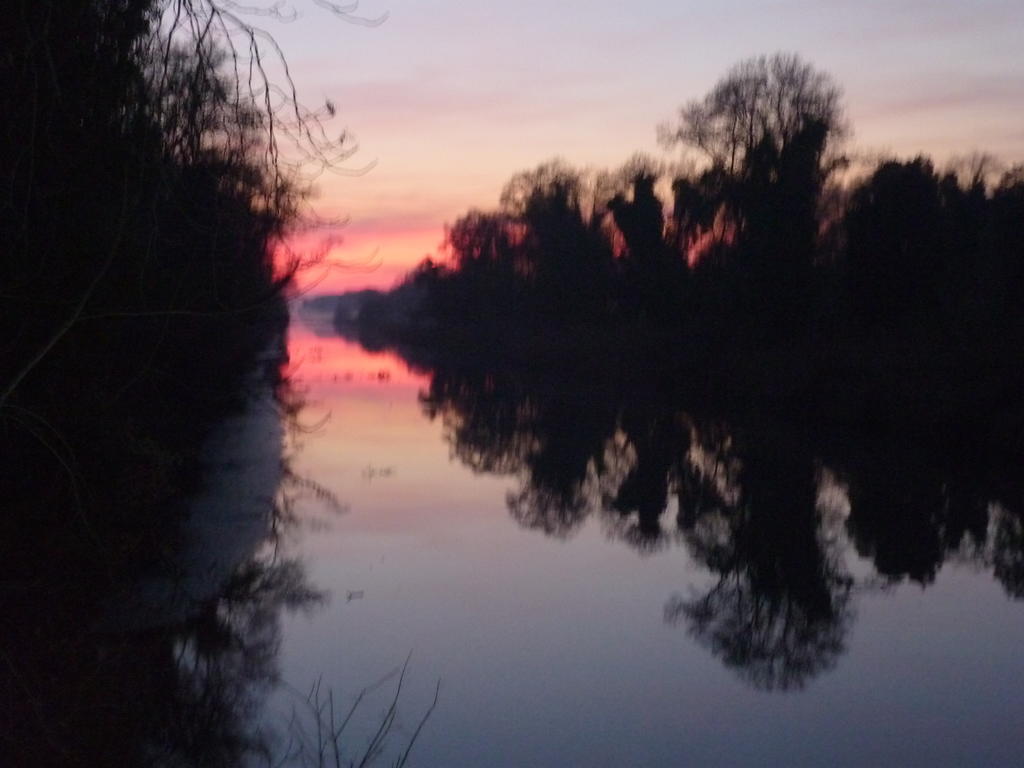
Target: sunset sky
[{"x": 451, "y": 98}]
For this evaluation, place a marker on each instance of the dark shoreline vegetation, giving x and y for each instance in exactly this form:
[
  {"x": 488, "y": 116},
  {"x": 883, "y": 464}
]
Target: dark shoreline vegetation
[
  {"x": 781, "y": 328},
  {"x": 146, "y": 188},
  {"x": 154, "y": 160},
  {"x": 141, "y": 209}
]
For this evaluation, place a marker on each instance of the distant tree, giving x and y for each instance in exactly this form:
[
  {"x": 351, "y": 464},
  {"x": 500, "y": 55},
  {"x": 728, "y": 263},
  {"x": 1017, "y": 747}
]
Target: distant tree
[
  {"x": 1004, "y": 247},
  {"x": 549, "y": 187},
  {"x": 778, "y": 221},
  {"x": 638, "y": 165},
  {"x": 652, "y": 273},
  {"x": 697, "y": 221},
  {"x": 640, "y": 219},
  {"x": 894, "y": 228},
  {"x": 769, "y": 132},
  {"x": 763, "y": 99},
  {"x": 567, "y": 259},
  {"x": 636, "y": 209},
  {"x": 480, "y": 240}
]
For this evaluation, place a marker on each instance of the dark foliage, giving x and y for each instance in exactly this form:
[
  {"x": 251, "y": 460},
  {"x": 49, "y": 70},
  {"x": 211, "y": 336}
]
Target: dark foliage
[
  {"x": 138, "y": 212},
  {"x": 139, "y": 209}
]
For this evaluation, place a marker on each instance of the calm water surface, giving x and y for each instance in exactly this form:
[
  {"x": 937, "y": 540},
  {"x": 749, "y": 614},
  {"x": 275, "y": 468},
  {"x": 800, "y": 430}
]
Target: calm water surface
[{"x": 576, "y": 631}]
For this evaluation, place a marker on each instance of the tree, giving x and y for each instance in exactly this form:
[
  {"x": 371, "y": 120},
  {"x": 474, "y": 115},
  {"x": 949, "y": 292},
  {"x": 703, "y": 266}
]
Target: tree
[
  {"x": 652, "y": 274},
  {"x": 480, "y": 240},
  {"x": 894, "y": 228},
  {"x": 102, "y": 133},
  {"x": 152, "y": 158},
  {"x": 769, "y": 132},
  {"x": 761, "y": 99},
  {"x": 1004, "y": 249},
  {"x": 565, "y": 257}
]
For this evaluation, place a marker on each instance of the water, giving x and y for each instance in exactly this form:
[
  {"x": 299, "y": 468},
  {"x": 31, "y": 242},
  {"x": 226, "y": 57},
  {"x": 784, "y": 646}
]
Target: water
[{"x": 581, "y": 626}]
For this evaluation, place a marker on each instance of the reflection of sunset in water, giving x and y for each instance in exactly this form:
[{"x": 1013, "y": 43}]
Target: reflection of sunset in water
[
  {"x": 330, "y": 364},
  {"x": 368, "y": 441}
]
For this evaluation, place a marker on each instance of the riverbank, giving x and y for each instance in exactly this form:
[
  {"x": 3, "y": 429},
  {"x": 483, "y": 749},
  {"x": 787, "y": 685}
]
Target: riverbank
[
  {"x": 95, "y": 489},
  {"x": 153, "y": 644}
]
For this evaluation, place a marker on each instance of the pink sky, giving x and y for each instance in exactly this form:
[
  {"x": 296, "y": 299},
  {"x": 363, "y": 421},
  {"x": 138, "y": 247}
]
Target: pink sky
[{"x": 452, "y": 98}]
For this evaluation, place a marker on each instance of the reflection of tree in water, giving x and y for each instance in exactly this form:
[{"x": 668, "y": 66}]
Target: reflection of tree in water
[
  {"x": 225, "y": 664},
  {"x": 94, "y": 679},
  {"x": 1007, "y": 551},
  {"x": 659, "y": 437},
  {"x": 774, "y": 641},
  {"x": 780, "y": 609},
  {"x": 897, "y": 519},
  {"x": 585, "y": 441},
  {"x": 185, "y": 694},
  {"x": 551, "y": 435},
  {"x": 909, "y": 516}
]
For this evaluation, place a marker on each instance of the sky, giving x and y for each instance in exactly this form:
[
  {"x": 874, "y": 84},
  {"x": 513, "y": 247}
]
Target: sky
[{"x": 449, "y": 98}]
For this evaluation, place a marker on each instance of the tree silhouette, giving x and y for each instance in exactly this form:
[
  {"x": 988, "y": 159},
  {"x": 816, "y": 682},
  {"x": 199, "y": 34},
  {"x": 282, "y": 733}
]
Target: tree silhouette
[
  {"x": 769, "y": 130},
  {"x": 566, "y": 261},
  {"x": 764, "y": 99},
  {"x": 152, "y": 163},
  {"x": 652, "y": 274},
  {"x": 894, "y": 228}
]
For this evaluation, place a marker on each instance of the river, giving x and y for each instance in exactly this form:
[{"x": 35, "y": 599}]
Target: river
[{"x": 590, "y": 631}]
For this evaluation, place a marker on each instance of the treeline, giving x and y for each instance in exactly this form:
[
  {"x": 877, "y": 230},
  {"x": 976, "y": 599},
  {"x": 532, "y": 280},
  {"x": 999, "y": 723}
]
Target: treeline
[
  {"x": 141, "y": 201},
  {"x": 767, "y": 262}
]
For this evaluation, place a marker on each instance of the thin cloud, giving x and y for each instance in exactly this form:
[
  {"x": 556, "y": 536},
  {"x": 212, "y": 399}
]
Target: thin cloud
[{"x": 969, "y": 94}]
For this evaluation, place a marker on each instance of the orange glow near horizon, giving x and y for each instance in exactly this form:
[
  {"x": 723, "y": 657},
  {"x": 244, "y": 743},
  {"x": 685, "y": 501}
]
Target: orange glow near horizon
[{"x": 355, "y": 259}]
